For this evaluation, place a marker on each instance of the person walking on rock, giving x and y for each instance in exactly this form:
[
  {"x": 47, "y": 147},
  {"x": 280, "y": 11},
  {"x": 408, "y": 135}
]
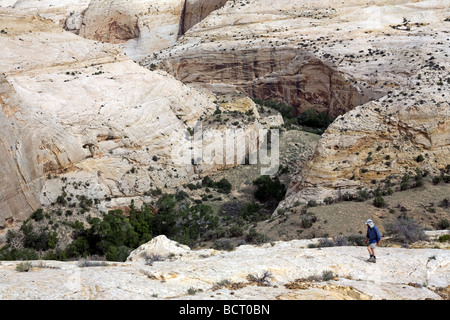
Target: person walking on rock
[{"x": 373, "y": 237}]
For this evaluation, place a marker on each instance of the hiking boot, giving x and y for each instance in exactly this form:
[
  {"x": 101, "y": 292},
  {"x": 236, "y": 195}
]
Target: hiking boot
[
  {"x": 374, "y": 260},
  {"x": 370, "y": 259}
]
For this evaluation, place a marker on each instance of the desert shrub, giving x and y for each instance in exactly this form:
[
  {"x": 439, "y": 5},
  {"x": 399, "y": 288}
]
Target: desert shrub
[
  {"x": 38, "y": 215},
  {"x": 379, "y": 202},
  {"x": 347, "y": 197},
  {"x": 340, "y": 241},
  {"x": 250, "y": 212},
  {"x": 235, "y": 231},
  {"x": 405, "y": 230},
  {"x": 11, "y": 254},
  {"x": 420, "y": 158},
  {"x": 418, "y": 178},
  {"x": 269, "y": 190},
  {"x": 255, "y": 237},
  {"x": 207, "y": 182},
  {"x": 443, "y": 224},
  {"x": 362, "y": 195},
  {"x": 312, "y": 203},
  {"x": 223, "y": 186},
  {"x": 181, "y": 195},
  {"x": 327, "y": 275},
  {"x": 356, "y": 240},
  {"x": 223, "y": 244},
  {"x": 444, "y": 238},
  {"x": 314, "y": 119},
  {"x": 325, "y": 242},
  {"x": 52, "y": 239},
  {"x": 307, "y": 220},
  {"x": 445, "y": 203},
  {"x": 405, "y": 182},
  {"x": 260, "y": 280},
  {"x": 24, "y": 266},
  {"x": 83, "y": 263},
  {"x": 437, "y": 179},
  {"x": 230, "y": 209}
]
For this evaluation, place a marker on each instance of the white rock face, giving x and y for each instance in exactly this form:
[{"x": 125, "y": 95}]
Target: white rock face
[
  {"x": 80, "y": 114},
  {"x": 56, "y": 10},
  {"x": 399, "y": 274},
  {"x": 382, "y": 67},
  {"x": 159, "y": 246},
  {"x": 143, "y": 26}
]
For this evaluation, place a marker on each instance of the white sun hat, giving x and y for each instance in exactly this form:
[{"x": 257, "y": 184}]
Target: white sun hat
[{"x": 370, "y": 223}]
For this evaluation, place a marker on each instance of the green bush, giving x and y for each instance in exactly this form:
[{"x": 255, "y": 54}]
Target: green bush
[
  {"x": 24, "y": 267},
  {"x": 443, "y": 224},
  {"x": 223, "y": 244},
  {"x": 307, "y": 220},
  {"x": 38, "y": 215},
  {"x": 269, "y": 190},
  {"x": 405, "y": 183},
  {"x": 379, "y": 202},
  {"x": 37, "y": 240},
  {"x": 420, "y": 158},
  {"x": 223, "y": 186},
  {"x": 255, "y": 237},
  {"x": 11, "y": 254},
  {"x": 314, "y": 119},
  {"x": 250, "y": 212}
]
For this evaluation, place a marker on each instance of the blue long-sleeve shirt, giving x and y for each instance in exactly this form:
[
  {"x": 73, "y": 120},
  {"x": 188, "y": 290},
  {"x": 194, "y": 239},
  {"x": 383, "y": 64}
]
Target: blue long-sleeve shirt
[{"x": 373, "y": 234}]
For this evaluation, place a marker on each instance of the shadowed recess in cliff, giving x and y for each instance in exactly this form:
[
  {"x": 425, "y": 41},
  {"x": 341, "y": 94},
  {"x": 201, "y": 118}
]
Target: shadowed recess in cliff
[{"x": 284, "y": 74}]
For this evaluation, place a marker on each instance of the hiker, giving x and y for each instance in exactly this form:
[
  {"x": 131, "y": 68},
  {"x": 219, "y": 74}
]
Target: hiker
[{"x": 374, "y": 237}]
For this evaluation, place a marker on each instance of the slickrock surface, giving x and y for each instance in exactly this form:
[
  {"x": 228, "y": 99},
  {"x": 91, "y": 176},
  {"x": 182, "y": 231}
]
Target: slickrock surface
[{"x": 162, "y": 269}]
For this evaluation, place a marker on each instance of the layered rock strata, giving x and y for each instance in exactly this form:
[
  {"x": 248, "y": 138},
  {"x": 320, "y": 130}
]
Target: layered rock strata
[
  {"x": 80, "y": 117},
  {"x": 381, "y": 67}
]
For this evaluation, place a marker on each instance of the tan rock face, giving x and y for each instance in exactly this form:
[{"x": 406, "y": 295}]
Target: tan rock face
[
  {"x": 197, "y": 10},
  {"x": 374, "y": 142},
  {"x": 281, "y": 73},
  {"x": 143, "y": 26}
]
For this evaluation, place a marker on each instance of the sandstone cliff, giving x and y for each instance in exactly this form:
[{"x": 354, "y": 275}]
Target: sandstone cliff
[
  {"x": 81, "y": 115},
  {"x": 143, "y": 26},
  {"x": 382, "y": 65},
  {"x": 376, "y": 143}
]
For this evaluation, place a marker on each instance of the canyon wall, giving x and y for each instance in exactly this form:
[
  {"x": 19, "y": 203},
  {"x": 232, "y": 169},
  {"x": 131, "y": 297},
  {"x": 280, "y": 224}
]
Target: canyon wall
[{"x": 81, "y": 117}]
